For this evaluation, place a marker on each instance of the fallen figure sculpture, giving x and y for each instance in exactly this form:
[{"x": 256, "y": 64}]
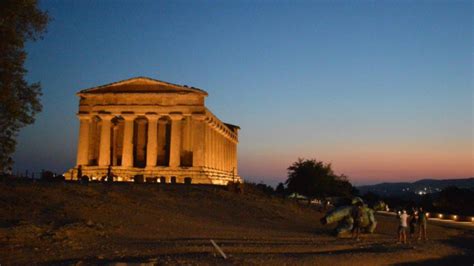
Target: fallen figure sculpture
[{"x": 343, "y": 216}]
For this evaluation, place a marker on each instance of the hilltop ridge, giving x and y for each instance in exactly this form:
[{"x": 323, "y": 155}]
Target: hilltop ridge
[{"x": 422, "y": 186}]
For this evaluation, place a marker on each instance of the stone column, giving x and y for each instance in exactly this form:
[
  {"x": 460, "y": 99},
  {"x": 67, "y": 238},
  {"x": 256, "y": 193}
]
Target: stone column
[
  {"x": 187, "y": 140},
  {"x": 152, "y": 141},
  {"x": 224, "y": 151},
  {"x": 199, "y": 139},
  {"x": 231, "y": 144},
  {"x": 230, "y": 155},
  {"x": 207, "y": 152},
  {"x": 229, "y": 147},
  {"x": 83, "y": 145},
  {"x": 236, "y": 157},
  {"x": 175, "y": 141},
  {"x": 104, "y": 152},
  {"x": 227, "y": 165},
  {"x": 127, "y": 148},
  {"x": 220, "y": 147},
  {"x": 115, "y": 130},
  {"x": 213, "y": 147}
]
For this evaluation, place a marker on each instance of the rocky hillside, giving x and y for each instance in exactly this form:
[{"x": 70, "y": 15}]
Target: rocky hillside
[
  {"x": 100, "y": 223},
  {"x": 72, "y": 220}
]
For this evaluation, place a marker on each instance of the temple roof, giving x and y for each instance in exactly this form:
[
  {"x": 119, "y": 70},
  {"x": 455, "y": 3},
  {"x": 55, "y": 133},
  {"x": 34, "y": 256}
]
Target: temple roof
[
  {"x": 142, "y": 85},
  {"x": 231, "y": 127}
]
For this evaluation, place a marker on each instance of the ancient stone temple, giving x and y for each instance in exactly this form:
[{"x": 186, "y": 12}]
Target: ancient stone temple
[{"x": 152, "y": 130}]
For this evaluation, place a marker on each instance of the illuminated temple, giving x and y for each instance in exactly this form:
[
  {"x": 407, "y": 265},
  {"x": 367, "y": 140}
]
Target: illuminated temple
[{"x": 155, "y": 131}]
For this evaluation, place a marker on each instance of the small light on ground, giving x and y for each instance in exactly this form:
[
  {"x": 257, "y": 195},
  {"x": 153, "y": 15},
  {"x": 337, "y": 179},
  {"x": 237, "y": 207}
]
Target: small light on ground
[{"x": 440, "y": 216}]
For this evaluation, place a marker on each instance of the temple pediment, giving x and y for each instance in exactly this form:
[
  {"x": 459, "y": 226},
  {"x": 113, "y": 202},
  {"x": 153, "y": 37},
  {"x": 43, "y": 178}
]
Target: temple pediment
[{"x": 142, "y": 85}]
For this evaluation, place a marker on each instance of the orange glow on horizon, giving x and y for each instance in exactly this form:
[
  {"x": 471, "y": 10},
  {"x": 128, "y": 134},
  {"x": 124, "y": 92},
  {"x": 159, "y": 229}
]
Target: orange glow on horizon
[{"x": 370, "y": 166}]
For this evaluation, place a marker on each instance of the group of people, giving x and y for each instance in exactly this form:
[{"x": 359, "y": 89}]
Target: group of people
[{"x": 415, "y": 220}]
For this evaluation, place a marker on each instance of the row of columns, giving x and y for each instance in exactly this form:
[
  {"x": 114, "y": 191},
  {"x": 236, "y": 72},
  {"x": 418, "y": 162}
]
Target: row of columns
[
  {"x": 221, "y": 150},
  {"x": 127, "y": 153},
  {"x": 212, "y": 149}
]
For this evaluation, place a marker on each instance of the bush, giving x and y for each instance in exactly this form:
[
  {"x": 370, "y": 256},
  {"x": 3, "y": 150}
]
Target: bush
[
  {"x": 259, "y": 188},
  {"x": 138, "y": 179},
  {"x": 51, "y": 177},
  {"x": 235, "y": 187},
  {"x": 151, "y": 179},
  {"x": 84, "y": 179}
]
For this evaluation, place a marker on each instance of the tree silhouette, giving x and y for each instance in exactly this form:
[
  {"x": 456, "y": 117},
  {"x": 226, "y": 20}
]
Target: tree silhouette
[
  {"x": 455, "y": 200},
  {"x": 312, "y": 178},
  {"x": 20, "y": 21},
  {"x": 280, "y": 189}
]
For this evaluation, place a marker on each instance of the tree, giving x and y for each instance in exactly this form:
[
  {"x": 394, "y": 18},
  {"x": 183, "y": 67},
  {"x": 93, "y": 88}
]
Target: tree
[
  {"x": 371, "y": 198},
  {"x": 20, "y": 21},
  {"x": 340, "y": 186},
  {"x": 455, "y": 200},
  {"x": 265, "y": 188},
  {"x": 280, "y": 189},
  {"x": 313, "y": 178}
]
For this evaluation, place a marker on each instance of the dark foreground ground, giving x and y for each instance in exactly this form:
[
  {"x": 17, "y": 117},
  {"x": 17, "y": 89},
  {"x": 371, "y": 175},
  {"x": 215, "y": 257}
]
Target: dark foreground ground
[{"x": 74, "y": 224}]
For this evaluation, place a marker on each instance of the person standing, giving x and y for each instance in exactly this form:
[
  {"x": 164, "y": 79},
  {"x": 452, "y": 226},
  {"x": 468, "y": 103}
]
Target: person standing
[
  {"x": 413, "y": 223},
  {"x": 422, "y": 221},
  {"x": 79, "y": 172},
  {"x": 402, "y": 227}
]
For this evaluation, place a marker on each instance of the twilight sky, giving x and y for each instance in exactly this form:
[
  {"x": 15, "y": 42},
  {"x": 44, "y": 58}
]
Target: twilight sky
[{"x": 381, "y": 89}]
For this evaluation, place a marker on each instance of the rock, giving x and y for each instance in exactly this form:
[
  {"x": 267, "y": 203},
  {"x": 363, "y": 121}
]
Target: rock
[{"x": 90, "y": 223}]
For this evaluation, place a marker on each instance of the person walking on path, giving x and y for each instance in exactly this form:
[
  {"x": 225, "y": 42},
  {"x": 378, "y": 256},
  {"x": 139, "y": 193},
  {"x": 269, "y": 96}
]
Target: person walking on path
[
  {"x": 402, "y": 227},
  {"x": 422, "y": 221},
  {"x": 357, "y": 216}
]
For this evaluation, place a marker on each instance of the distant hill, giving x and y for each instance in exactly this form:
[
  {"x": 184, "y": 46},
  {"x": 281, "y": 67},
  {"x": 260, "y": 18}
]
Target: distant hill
[{"x": 420, "y": 187}]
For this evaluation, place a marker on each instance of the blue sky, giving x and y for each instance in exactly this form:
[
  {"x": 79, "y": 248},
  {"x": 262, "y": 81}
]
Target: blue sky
[{"x": 381, "y": 89}]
